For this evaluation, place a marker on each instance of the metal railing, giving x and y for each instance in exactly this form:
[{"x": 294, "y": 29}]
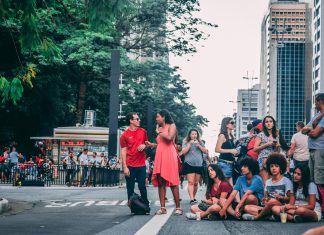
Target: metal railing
[{"x": 47, "y": 175}]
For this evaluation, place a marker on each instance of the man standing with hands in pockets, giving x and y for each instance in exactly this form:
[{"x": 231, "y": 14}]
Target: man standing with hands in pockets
[{"x": 132, "y": 143}]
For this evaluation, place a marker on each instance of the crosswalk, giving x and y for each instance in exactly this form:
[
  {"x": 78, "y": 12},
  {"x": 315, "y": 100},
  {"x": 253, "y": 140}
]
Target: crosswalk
[{"x": 97, "y": 203}]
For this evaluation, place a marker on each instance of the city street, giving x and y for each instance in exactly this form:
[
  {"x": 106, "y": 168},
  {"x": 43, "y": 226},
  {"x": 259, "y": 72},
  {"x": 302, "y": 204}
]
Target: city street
[{"x": 62, "y": 210}]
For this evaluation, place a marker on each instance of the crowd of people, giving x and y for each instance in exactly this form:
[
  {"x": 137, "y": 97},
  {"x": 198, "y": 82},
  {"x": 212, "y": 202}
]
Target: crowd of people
[
  {"x": 84, "y": 169},
  {"x": 257, "y": 177}
]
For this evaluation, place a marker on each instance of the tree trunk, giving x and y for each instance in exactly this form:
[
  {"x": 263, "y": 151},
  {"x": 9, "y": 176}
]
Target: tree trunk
[{"x": 81, "y": 101}]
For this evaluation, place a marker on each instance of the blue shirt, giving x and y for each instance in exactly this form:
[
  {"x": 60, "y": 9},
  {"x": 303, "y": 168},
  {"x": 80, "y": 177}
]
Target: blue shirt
[
  {"x": 256, "y": 186},
  {"x": 316, "y": 143}
]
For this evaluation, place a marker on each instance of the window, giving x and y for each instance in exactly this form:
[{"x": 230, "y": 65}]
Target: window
[{"x": 317, "y": 60}]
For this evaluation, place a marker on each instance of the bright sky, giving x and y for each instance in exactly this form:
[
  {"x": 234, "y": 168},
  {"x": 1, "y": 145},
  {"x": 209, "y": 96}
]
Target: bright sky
[{"x": 215, "y": 73}]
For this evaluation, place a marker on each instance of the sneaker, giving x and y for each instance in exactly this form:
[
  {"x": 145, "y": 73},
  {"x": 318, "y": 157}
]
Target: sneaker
[
  {"x": 298, "y": 219},
  {"x": 191, "y": 216},
  {"x": 193, "y": 202},
  {"x": 247, "y": 217}
]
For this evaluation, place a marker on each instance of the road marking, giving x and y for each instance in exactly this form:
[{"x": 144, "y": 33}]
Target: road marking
[
  {"x": 107, "y": 203},
  {"x": 123, "y": 203},
  {"x": 87, "y": 203},
  {"x": 154, "y": 225}
]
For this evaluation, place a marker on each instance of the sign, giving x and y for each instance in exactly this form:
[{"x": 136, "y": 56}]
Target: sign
[{"x": 72, "y": 143}]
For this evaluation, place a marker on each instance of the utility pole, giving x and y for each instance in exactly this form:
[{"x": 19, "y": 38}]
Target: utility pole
[
  {"x": 249, "y": 93},
  {"x": 114, "y": 102}
]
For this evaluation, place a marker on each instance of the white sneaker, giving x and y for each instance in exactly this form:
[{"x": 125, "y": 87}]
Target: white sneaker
[
  {"x": 247, "y": 217},
  {"x": 191, "y": 216}
]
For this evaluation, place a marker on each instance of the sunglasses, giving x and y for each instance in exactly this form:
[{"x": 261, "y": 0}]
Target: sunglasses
[
  {"x": 136, "y": 119},
  {"x": 231, "y": 123}
]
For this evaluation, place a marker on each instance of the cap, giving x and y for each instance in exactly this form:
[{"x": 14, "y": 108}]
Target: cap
[
  {"x": 259, "y": 126},
  {"x": 256, "y": 122}
]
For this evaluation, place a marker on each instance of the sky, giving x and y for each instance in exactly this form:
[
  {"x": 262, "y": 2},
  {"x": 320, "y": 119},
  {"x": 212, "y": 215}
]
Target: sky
[{"x": 215, "y": 72}]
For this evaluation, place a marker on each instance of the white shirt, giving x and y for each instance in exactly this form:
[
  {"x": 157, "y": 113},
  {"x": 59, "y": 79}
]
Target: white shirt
[
  {"x": 301, "y": 151},
  {"x": 84, "y": 161}
]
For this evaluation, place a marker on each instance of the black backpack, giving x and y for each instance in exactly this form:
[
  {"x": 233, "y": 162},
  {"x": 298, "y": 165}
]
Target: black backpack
[{"x": 138, "y": 206}]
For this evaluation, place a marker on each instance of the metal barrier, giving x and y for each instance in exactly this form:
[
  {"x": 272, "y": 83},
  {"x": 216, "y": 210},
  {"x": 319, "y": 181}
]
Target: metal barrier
[{"x": 47, "y": 175}]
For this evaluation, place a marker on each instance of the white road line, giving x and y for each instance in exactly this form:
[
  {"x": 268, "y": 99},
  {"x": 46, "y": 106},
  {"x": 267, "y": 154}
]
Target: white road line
[
  {"x": 154, "y": 225},
  {"x": 123, "y": 203}
]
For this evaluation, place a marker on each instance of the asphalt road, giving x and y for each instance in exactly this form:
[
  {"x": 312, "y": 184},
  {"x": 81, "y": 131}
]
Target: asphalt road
[{"x": 61, "y": 210}]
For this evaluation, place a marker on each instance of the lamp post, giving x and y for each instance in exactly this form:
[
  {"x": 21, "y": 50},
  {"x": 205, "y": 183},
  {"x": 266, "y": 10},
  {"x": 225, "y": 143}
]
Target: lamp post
[
  {"x": 249, "y": 93},
  {"x": 279, "y": 44},
  {"x": 238, "y": 123}
]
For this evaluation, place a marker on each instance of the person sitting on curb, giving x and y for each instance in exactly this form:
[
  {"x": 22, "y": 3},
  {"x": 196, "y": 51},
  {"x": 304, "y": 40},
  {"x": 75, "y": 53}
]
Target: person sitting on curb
[
  {"x": 306, "y": 200},
  {"x": 218, "y": 189},
  {"x": 278, "y": 189},
  {"x": 250, "y": 189}
]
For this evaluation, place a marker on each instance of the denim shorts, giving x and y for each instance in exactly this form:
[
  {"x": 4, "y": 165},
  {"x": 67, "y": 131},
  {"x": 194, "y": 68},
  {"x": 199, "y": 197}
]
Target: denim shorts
[{"x": 227, "y": 168}]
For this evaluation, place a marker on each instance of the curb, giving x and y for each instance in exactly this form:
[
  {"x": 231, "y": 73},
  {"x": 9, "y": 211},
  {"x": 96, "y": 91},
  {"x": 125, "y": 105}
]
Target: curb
[{"x": 4, "y": 205}]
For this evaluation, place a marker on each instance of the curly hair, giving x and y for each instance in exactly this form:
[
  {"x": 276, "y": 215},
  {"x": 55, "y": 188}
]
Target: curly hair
[
  {"x": 252, "y": 164},
  {"x": 277, "y": 159}
]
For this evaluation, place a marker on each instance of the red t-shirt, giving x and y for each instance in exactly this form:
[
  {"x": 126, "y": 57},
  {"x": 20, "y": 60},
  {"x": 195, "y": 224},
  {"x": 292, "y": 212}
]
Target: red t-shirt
[
  {"x": 224, "y": 187},
  {"x": 131, "y": 140},
  {"x": 251, "y": 152}
]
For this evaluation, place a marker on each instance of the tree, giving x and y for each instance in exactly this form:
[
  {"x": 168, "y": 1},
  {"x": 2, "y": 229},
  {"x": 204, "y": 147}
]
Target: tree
[
  {"x": 158, "y": 82},
  {"x": 56, "y": 59}
]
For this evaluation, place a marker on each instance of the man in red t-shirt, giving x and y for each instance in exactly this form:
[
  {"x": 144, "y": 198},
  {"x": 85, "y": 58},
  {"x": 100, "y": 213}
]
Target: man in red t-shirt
[{"x": 132, "y": 143}]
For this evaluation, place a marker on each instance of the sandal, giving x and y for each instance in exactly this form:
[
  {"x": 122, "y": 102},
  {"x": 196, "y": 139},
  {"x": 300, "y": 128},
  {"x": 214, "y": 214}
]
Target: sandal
[
  {"x": 178, "y": 211},
  {"x": 162, "y": 211}
]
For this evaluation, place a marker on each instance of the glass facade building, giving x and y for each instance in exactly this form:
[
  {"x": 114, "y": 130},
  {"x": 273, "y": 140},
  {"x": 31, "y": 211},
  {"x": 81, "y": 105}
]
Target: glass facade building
[{"x": 290, "y": 86}]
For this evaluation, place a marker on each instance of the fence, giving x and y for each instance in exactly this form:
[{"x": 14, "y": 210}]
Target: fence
[{"x": 46, "y": 174}]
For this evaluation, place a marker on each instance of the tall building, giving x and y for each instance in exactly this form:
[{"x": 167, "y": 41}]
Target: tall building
[
  {"x": 285, "y": 73},
  {"x": 247, "y": 108},
  {"x": 318, "y": 63}
]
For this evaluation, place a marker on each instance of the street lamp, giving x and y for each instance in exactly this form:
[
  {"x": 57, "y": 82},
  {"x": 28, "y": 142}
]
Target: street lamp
[
  {"x": 249, "y": 93},
  {"x": 276, "y": 29}
]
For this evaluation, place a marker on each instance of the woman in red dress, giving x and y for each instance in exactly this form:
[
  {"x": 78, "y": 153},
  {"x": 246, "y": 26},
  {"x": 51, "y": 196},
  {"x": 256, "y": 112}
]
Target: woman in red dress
[{"x": 166, "y": 171}]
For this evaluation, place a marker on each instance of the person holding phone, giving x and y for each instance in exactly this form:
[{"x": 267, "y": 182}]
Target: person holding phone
[
  {"x": 193, "y": 149},
  {"x": 266, "y": 143},
  {"x": 132, "y": 143}
]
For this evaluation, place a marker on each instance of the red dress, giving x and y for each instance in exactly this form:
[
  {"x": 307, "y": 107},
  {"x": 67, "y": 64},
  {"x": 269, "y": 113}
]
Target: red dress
[{"x": 166, "y": 161}]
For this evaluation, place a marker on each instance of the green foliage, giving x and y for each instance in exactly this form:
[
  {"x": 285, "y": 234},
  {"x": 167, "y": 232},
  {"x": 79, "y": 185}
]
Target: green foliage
[
  {"x": 58, "y": 47},
  {"x": 12, "y": 90},
  {"x": 157, "y": 82}
]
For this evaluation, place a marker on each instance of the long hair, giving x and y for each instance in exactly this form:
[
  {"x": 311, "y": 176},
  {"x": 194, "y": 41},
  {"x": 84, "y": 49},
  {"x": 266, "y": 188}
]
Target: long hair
[
  {"x": 273, "y": 130},
  {"x": 223, "y": 130},
  {"x": 187, "y": 139},
  {"x": 167, "y": 116},
  {"x": 283, "y": 142},
  {"x": 219, "y": 175},
  {"x": 305, "y": 179}
]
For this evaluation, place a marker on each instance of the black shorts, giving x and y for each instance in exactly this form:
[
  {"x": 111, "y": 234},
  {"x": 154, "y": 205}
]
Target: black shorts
[{"x": 187, "y": 169}]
